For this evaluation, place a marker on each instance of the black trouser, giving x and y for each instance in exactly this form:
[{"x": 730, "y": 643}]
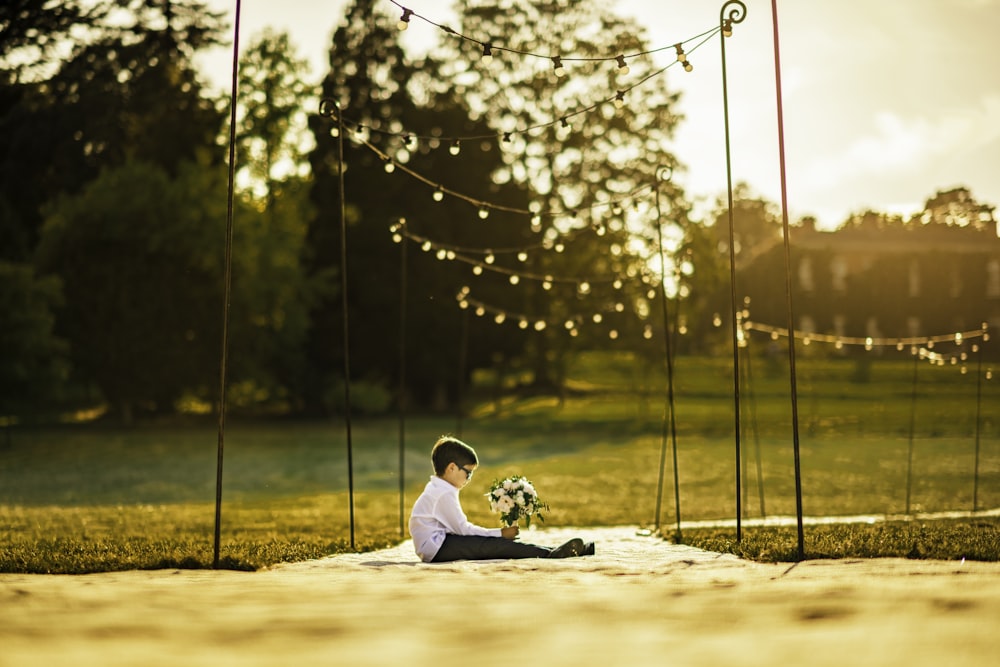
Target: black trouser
[{"x": 476, "y": 547}]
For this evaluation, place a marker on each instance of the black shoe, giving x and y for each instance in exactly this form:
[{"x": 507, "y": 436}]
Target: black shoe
[
  {"x": 574, "y": 547},
  {"x": 589, "y": 549}
]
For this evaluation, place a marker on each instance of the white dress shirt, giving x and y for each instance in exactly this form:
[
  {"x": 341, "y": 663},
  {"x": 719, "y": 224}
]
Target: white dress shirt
[{"x": 436, "y": 513}]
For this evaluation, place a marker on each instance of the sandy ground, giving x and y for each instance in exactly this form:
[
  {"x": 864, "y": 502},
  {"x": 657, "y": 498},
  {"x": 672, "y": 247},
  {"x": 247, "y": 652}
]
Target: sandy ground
[{"x": 639, "y": 600}]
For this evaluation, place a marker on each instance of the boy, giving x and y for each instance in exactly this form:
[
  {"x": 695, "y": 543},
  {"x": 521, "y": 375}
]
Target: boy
[{"x": 440, "y": 530}]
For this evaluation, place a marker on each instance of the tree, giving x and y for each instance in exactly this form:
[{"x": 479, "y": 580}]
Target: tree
[
  {"x": 139, "y": 257},
  {"x": 33, "y": 31},
  {"x": 957, "y": 207},
  {"x": 128, "y": 91},
  {"x": 378, "y": 90},
  {"x": 571, "y": 144},
  {"x": 756, "y": 224},
  {"x": 32, "y": 357},
  {"x": 271, "y": 132},
  {"x": 272, "y": 295}
]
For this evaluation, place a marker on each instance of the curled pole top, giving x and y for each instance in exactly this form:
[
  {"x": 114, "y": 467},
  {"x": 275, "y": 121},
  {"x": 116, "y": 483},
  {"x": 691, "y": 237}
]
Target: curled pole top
[
  {"x": 329, "y": 108},
  {"x": 737, "y": 12}
]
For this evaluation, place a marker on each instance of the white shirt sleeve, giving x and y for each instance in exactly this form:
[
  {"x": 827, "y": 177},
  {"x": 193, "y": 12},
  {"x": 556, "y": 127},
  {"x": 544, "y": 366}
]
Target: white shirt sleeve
[{"x": 449, "y": 513}]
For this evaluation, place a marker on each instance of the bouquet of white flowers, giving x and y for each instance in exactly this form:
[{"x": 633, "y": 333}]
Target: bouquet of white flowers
[{"x": 514, "y": 498}]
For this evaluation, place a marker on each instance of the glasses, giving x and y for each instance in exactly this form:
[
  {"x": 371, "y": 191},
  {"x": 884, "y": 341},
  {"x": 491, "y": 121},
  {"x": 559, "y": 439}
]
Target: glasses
[{"x": 468, "y": 473}]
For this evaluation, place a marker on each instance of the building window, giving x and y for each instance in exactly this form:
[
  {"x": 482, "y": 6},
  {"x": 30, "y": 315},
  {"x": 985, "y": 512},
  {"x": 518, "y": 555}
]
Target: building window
[
  {"x": 871, "y": 328},
  {"x": 838, "y": 271},
  {"x": 806, "y": 274},
  {"x": 993, "y": 279},
  {"x": 914, "y": 279},
  {"x": 839, "y": 324}
]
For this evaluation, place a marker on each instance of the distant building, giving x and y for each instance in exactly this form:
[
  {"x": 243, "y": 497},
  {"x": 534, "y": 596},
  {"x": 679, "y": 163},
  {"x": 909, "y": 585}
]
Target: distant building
[{"x": 881, "y": 281}]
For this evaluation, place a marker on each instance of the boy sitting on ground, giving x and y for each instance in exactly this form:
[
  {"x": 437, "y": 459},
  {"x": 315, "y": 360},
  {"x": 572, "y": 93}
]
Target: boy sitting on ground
[{"x": 440, "y": 530}]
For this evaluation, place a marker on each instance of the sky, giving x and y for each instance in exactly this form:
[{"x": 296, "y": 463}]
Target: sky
[{"x": 883, "y": 102}]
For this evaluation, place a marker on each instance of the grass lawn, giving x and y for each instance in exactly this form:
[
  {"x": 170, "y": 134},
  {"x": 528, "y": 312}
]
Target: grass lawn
[{"x": 95, "y": 497}]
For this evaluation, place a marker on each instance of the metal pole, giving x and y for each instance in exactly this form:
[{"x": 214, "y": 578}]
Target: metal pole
[
  {"x": 227, "y": 290},
  {"x": 347, "y": 345},
  {"x": 402, "y": 385},
  {"x": 736, "y": 15},
  {"x": 463, "y": 357},
  {"x": 979, "y": 402},
  {"x": 913, "y": 426},
  {"x": 669, "y": 357},
  {"x": 788, "y": 286}
]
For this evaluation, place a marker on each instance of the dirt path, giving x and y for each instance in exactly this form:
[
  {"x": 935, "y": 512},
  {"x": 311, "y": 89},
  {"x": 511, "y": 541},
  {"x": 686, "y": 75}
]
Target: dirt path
[{"x": 638, "y": 601}]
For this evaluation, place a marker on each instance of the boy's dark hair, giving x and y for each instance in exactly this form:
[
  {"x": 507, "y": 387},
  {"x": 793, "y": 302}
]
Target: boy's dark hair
[{"x": 452, "y": 450}]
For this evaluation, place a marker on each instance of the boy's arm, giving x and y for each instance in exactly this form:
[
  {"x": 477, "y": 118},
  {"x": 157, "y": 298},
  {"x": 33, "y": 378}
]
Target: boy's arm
[{"x": 450, "y": 513}]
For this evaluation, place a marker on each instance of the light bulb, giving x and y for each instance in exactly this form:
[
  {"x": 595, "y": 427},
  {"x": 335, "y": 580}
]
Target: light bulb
[
  {"x": 438, "y": 194},
  {"x": 484, "y": 213},
  {"x": 514, "y": 279},
  {"x": 487, "y": 54},
  {"x": 688, "y": 66},
  {"x": 619, "y": 100},
  {"x": 727, "y": 28},
  {"x": 680, "y": 53},
  {"x": 622, "y": 65},
  {"x": 404, "y": 20},
  {"x": 557, "y": 63},
  {"x": 455, "y": 147}
]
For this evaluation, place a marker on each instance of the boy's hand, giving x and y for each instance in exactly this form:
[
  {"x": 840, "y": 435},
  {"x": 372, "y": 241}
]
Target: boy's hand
[{"x": 510, "y": 532}]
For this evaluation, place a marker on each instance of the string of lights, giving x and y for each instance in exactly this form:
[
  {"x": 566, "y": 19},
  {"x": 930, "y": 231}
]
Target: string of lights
[
  {"x": 484, "y": 207},
  {"x": 869, "y": 342},
  {"x": 400, "y": 230},
  {"x": 446, "y": 252},
  {"x": 489, "y": 48},
  {"x": 618, "y": 99},
  {"x": 571, "y": 324}
]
